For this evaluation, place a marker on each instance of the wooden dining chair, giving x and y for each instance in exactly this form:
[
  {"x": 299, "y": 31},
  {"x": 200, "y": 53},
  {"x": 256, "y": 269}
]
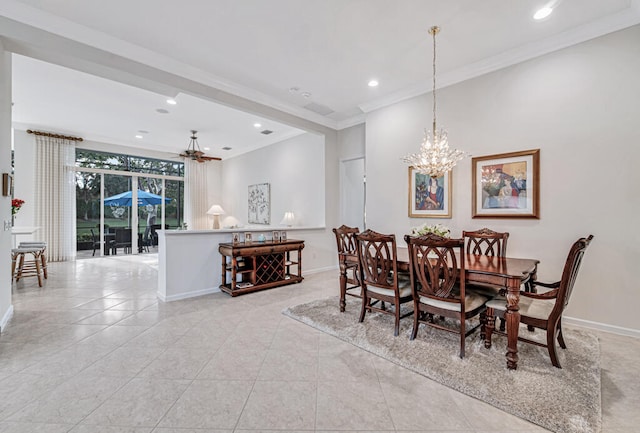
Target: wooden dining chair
[
  {"x": 486, "y": 242},
  {"x": 378, "y": 265},
  {"x": 543, "y": 310},
  {"x": 348, "y": 261},
  {"x": 439, "y": 286}
]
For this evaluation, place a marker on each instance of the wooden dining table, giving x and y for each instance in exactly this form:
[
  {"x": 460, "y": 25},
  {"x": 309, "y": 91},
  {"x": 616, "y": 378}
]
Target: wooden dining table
[{"x": 505, "y": 272}]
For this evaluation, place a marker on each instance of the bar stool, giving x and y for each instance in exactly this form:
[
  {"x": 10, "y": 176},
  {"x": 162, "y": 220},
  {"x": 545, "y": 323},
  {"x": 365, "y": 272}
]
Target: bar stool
[
  {"x": 20, "y": 267},
  {"x": 43, "y": 257}
]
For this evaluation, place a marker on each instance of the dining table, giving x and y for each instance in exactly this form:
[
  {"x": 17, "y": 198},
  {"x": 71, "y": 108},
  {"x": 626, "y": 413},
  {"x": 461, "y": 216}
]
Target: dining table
[{"x": 507, "y": 272}]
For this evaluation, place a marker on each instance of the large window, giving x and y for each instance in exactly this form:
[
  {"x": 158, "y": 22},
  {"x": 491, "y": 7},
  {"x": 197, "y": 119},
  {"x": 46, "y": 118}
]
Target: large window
[{"x": 100, "y": 176}]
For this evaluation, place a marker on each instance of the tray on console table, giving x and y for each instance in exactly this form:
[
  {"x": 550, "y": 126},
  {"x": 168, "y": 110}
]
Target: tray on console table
[{"x": 251, "y": 266}]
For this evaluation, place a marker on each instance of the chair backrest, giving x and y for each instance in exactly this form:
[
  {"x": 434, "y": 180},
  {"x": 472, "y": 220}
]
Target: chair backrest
[
  {"x": 434, "y": 267},
  {"x": 377, "y": 256},
  {"x": 123, "y": 235},
  {"x": 486, "y": 242},
  {"x": 570, "y": 273},
  {"x": 346, "y": 239}
]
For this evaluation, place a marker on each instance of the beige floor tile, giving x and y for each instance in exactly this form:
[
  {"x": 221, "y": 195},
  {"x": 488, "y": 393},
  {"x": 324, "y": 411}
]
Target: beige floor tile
[
  {"x": 289, "y": 365},
  {"x": 124, "y": 361},
  {"x": 235, "y": 362},
  {"x": 114, "y": 336},
  {"x": 352, "y": 406},
  {"x": 140, "y": 403},
  {"x": 219, "y": 339},
  {"x": 69, "y": 361},
  {"x": 209, "y": 404},
  {"x": 71, "y": 401},
  {"x": 178, "y": 363},
  {"x": 25, "y": 427},
  {"x": 280, "y": 406}
]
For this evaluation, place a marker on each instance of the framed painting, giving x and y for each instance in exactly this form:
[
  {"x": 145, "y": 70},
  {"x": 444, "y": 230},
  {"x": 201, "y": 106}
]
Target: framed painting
[
  {"x": 429, "y": 197},
  {"x": 259, "y": 205},
  {"x": 506, "y": 185}
]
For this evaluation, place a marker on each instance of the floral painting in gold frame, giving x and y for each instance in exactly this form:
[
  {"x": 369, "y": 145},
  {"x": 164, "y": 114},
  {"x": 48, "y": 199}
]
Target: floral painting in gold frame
[
  {"x": 506, "y": 185},
  {"x": 429, "y": 197}
]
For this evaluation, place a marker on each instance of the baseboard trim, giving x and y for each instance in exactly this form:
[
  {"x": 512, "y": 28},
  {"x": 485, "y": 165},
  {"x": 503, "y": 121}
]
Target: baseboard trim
[
  {"x": 612, "y": 329},
  {"x": 188, "y": 295},
  {"x": 7, "y": 316},
  {"x": 318, "y": 270}
]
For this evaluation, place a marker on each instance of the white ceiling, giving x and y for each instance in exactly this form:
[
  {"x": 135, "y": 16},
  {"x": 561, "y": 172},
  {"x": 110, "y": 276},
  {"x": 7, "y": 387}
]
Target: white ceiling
[{"x": 259, "y": 50}]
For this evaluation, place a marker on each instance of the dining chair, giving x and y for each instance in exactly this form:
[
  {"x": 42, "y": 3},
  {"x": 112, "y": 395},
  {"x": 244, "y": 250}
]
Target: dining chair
[
  {"x": 379, "y": 278},
  {"x": 439, "y": 286},
  {"x": 543, "y": 310},
  {"x": 348, "y": 261},
  {"x": 486, "y": 242}
]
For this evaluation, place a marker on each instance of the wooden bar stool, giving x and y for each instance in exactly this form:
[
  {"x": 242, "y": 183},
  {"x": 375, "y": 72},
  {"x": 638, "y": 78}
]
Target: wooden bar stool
[
  {"x": 21, "y": 267},
  {"x": 43, "y": 256}
]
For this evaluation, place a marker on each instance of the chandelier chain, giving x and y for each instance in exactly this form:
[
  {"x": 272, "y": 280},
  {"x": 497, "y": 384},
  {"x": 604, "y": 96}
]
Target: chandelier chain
[{"x": 434, "y": 31}]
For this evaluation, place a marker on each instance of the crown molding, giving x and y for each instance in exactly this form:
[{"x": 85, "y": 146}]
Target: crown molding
[
  {"x": 352, "y": 121},
  {"x": 609, "y": 24}
]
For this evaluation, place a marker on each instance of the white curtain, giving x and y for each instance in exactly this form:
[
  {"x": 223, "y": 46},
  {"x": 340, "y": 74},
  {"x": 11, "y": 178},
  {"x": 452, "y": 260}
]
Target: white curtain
[
  {"x": 196, "y": 195},
  {"x": 56, "y": 197}
]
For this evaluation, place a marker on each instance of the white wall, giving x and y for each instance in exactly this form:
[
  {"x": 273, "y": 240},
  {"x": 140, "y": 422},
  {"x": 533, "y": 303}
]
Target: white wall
[
  {"x": 295, "y": 170},
  {"x": 581, "y": 107},
  {"x": 5, "y": 202}
]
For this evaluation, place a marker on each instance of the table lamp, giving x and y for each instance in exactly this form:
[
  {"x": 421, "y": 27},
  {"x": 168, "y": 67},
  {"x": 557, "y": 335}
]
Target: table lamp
[
  {"x": 288, "y": 219},
  {"x": 216, "y": 210}
]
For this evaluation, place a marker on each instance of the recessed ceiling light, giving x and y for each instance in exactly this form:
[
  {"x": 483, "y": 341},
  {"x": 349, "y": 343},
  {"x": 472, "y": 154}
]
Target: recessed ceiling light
[
  {"x": 162, "y": 111},
  {"x": 206, "y": 148},
  {"x": 373, "y": 83},
  {"x": 226, "y": 148},
  {"x": 138, "y": 136},
  {"x": 542, "y": 13},
  {"x": 257, "y": 125},
  {"x": 171, "y": 101}
]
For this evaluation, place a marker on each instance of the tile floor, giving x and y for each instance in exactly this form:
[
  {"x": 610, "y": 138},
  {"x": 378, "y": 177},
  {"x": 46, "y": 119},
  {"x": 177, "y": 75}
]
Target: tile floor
[{"x": 93, "y": 351}]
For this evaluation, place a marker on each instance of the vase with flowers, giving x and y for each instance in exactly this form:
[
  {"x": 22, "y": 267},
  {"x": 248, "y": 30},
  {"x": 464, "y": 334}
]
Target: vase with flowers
[
  {"x": 437, "y": 229},
  {"x": 16, "y": 204}
]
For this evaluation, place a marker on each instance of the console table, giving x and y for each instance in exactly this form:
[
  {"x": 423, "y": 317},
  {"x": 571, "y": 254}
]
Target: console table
[{"x": 252, "y": 266}]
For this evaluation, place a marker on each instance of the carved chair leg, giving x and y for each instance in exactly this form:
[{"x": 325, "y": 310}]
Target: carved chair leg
[
  {"x": 491, "y": 323},
  {"x": 365, "y": 302},
  {"x": 462, "y": 337},
  {"x": 560, "y": 337},
  {"x": 551, "y": 346},
  {"x": 396, "y": 330},
  {"x": 483, "y": 324},
  {"x": 416, "y": 321},
  {"x": 502, "y": 324}
]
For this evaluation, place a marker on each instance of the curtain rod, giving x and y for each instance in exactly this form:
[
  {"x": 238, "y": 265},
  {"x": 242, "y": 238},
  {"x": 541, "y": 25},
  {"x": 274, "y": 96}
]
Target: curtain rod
[{"x": 48, "y": 134}]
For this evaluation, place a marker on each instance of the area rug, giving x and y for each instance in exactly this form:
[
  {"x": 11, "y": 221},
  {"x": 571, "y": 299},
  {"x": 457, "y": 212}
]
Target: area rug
[{"x": 563, "y": 400}]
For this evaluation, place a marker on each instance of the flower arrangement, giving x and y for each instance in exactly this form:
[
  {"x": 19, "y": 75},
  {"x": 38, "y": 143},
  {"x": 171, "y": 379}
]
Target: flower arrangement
[
  {"x": 16, "y": 204},
  {"x": 437, "y": 229}
]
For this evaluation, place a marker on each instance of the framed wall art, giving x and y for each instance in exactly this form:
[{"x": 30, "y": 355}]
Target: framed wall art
[
  {"x": 506, "y": 185},
  {"x": 429, "y": 197},
  {"x": 259, "y": 205}
]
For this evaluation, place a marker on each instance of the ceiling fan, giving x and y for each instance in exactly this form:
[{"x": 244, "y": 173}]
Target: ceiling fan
[{"x": 193, "y": 151}]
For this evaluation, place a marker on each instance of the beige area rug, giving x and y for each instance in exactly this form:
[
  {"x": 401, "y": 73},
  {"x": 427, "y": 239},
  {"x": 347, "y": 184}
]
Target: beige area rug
[{"x": 563, "y": 400}]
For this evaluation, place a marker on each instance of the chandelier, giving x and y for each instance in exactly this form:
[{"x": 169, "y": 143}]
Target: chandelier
[{"x": 435, "y": 157}]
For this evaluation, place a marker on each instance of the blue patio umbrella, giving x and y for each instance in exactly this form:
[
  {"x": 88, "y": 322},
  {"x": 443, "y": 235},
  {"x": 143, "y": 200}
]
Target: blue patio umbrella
[{"x": 144, "y": 198}]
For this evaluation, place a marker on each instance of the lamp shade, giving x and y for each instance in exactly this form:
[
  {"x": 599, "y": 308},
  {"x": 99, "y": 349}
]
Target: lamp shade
[
  {"x": 288, "y": 219},
  {"x": 216, "y": 209}
]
